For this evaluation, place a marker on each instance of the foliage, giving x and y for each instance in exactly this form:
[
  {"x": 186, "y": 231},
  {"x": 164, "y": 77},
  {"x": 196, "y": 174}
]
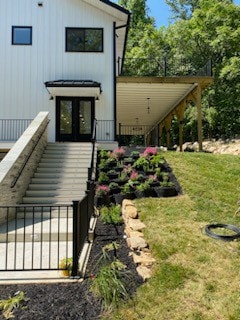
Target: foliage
[
  {"x": 102, "y": 177},
  {"x": 102, "y": 190},
  {"x": 191, "y": 269},
  {"x": 7, "y": 306},
  {"x": 111, "y": 215}
]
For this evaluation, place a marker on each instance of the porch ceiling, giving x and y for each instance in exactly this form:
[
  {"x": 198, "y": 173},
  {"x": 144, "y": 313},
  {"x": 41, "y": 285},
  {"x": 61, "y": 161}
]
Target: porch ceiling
[{"x": 164, "y": 95}]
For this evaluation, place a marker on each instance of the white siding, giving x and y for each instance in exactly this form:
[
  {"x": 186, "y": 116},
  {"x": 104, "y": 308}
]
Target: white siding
[{"x": 24, "y": 69}]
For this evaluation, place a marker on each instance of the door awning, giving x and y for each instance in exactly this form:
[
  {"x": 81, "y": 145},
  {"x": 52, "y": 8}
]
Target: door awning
[{"x": 74, "y": 88}]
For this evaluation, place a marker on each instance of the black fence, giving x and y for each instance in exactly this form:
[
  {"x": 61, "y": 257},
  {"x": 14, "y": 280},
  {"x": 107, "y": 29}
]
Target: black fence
[
  {"x": 12, "y": 129},
  {"x": 163, "y": 67},
  {"x": 39, "y": 237}
]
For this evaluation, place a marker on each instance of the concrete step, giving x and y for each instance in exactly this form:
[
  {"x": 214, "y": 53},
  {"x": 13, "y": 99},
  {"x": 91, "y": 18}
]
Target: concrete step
[
  {"x": 57, "y": 186},
  {"x": 61, "y": 170},
  {"x": 61, "y": 175},
  {"x": 45, "y": 212},
  {"x": 52, "y": 200},
  {"x": 58, "y": 180},
  {"x": 61, "y": 164},
  {"x": 37, "y": 230},
  {"x": 55, "y": 193}
]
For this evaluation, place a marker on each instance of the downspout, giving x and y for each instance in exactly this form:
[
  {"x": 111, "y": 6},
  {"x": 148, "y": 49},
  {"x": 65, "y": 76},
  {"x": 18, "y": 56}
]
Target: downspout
[
  {"x": 114, "y": 69},
  {"x": 114, "y": 83}
]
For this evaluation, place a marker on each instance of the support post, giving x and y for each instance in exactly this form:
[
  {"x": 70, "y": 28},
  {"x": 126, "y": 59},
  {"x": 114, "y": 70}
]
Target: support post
[
  {"x": 168, "y": 123},
  {"x": 74, "y": 272},
  {"x": 180, "y": 115},
  {"x": 199, "y": 112}
]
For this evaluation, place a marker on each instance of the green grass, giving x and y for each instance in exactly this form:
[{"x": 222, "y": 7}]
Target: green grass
[{"x": 195, "y": 277}]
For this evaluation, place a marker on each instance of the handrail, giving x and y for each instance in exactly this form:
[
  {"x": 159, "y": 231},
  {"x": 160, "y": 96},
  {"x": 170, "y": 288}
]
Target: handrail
[
  {"x": 15, "y": 180},
  {"x": 94, "y": 134}
]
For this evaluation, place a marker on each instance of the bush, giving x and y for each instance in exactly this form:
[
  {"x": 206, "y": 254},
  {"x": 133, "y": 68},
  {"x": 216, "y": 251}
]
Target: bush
[{"x": 111, "y": 215}]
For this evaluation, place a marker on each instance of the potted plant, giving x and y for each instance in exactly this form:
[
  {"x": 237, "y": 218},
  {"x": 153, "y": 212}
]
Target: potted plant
[
  {"x": 128, "y": 160},
  {"x": 141, "y": 164},
  {"x": 156, "y": 161},
  {"x": 142, "y": 190},
  {"x": 114, "y": 188},
  {"x": 103, "y": 178},
  {"x": 65, "y": 265},
  {"x": 166, "y": 189},
  {"x": 150, "y": 151},
  {"x": 102, "y": 195},
  {"x": 128, "y": 190},
  {"x": 112, "y": 174},
  {"x": 119, "y": 152},
  {"x": 135, "y": 154},
  {"x": 103, "y": 154}
]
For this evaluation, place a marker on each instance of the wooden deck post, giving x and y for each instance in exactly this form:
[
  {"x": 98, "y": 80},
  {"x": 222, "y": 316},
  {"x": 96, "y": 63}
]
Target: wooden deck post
[
  {"x": 199, "y": 111},
  {"x": 168, "y": 123},
  {"x": 180, "y": 115}
]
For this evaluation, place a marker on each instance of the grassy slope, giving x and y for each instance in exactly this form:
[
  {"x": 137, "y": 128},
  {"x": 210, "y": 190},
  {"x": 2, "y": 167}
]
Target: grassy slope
[{"x": 196, "y": 277}]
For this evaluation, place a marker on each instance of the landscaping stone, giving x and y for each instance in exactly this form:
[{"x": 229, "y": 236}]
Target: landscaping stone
[
  {"x": 144, "y": 258},
  {"x": 144, "y": 272},
  {"x": 128, "y": 209},
  {"x": 136, "y": 224},
  {"x": 136, "y": 243}
]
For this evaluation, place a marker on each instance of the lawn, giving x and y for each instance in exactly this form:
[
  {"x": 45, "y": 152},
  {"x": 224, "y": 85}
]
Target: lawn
[{"x": 195, "y": 276}]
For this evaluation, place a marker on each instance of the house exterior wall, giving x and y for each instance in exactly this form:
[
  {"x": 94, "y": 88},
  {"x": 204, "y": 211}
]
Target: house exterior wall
[{"x": 25, "y": 68}]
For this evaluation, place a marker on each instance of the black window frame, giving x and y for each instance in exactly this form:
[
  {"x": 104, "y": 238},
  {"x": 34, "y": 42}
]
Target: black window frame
[
  {"x": 67, "y": 49},
  {"x": 14, "y": 43}
]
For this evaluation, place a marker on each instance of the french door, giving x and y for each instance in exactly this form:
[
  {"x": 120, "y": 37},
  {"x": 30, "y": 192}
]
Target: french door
[{"x": 74, "y": 118}]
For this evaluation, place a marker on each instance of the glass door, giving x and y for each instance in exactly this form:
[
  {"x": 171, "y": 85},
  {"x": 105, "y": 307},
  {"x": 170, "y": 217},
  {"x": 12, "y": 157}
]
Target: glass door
[{"x": 74, "y": 118}]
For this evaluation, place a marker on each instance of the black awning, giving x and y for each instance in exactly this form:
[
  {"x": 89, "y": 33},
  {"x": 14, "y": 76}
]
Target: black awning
[{"x": 86, "y": 88}]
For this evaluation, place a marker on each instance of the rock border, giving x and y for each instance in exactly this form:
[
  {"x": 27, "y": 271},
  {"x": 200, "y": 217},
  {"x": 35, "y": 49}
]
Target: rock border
[{"x": 139, "y": 249}]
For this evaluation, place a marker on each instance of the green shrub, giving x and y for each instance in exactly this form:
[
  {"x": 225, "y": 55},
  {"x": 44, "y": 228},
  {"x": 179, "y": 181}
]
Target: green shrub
[{"x": 111, "y": 215}]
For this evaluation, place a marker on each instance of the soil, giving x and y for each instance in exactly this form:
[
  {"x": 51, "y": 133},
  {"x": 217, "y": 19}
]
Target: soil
[{"x": 63, "y": 301}]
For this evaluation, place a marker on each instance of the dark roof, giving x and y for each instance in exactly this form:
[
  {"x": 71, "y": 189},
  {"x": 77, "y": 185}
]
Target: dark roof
[
  {"x": 73, "y": 83},
  {"x": 116, "y": 6}
]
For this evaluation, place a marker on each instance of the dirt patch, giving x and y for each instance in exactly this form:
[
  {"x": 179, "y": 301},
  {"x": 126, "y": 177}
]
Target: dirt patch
[{"x": 74, "y": 300}]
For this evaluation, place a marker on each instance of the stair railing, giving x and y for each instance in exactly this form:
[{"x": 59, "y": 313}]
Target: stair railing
[{"x": 93, "y": 140}]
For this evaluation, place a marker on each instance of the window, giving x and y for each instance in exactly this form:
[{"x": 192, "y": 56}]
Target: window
[
  {"x": 22, "y": 35},
  {"x": 84, "y": 40}
]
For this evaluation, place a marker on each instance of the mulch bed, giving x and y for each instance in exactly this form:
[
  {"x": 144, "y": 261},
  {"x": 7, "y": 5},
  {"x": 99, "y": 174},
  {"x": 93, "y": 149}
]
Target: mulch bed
[{"x": 63, "y": 301}]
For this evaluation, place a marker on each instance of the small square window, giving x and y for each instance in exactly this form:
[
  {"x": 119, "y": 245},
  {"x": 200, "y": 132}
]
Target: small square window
[
  {"x": 22, "y": 35},
  {"x": 84, "y": 39}
]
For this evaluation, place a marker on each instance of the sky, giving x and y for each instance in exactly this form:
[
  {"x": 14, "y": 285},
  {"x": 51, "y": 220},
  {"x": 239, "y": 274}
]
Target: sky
[{"x": 161, "y": 12}]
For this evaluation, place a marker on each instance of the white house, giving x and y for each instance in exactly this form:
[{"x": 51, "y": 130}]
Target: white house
[{"x": 61, "y": 56}]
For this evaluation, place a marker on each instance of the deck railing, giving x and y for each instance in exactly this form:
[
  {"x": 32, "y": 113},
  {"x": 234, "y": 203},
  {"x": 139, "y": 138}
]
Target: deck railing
[
  {"x": 12, "y": 129},
  {"x": 164, "y": 67}
]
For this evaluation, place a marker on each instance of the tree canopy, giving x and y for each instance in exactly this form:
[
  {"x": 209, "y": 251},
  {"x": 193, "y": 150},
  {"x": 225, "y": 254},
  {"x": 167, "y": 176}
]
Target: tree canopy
[{"x": 202, "y": 30}]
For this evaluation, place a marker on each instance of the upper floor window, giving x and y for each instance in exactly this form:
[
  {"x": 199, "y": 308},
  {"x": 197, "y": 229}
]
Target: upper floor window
[
  {"x": 84, "y": 39},
  {"x": 21, "y": 35}
]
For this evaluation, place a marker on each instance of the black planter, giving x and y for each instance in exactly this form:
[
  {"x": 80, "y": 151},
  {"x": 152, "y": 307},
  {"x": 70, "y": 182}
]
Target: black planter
[
  {"x": 100, "y": 201},
  {"x": 140, "y": 194},
  {"x": 112, "y": 176},
  {"x": 115, "y": 190},
  {"x": 119, "y": 197},
  {"x": 130, "y": 195},
  {"x": 165, "y": 191}
]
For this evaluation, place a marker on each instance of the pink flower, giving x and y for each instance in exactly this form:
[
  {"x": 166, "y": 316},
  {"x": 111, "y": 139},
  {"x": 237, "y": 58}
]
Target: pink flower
[
  {"x": 102, "y": 190},
  {"x": 119, "y": 152},
  {"x": 134, "y": 175},
  {"x": 149, "y": 151}
]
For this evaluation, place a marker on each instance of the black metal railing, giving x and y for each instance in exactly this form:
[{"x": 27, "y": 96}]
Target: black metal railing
[
  {"x": 165, "y": 67},
  {"x": 133, "y": 134},
  {"x": 105, "y": 130},
  {"x": 12, "y": 129},
  {"x": 39, "y": 237},
  {"x": 35, "y": 237},
  {"x": 93, "y": 140},
  {"x": 82, "y": 212}
]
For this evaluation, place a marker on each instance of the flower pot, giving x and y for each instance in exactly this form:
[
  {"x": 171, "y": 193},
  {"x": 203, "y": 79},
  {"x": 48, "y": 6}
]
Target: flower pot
[
  {"x": 130, "y": 195},
  {"x": 100, "y": 201},
  {"x": 140, "y": 194},
  {"x": 112, "y": 176},
  {"x": 165, "y": 191},
  {"x": 119, "y": 197}
]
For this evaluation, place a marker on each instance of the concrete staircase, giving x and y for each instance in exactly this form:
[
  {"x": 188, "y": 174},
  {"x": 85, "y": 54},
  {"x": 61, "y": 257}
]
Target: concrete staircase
[
  {"x": 60, "y": 178},
  {"x": 61, "y": 175}
]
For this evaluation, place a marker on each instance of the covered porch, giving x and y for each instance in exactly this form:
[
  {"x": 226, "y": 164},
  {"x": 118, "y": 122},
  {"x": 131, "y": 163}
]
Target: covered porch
[{"x": 146, "y": 106}]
